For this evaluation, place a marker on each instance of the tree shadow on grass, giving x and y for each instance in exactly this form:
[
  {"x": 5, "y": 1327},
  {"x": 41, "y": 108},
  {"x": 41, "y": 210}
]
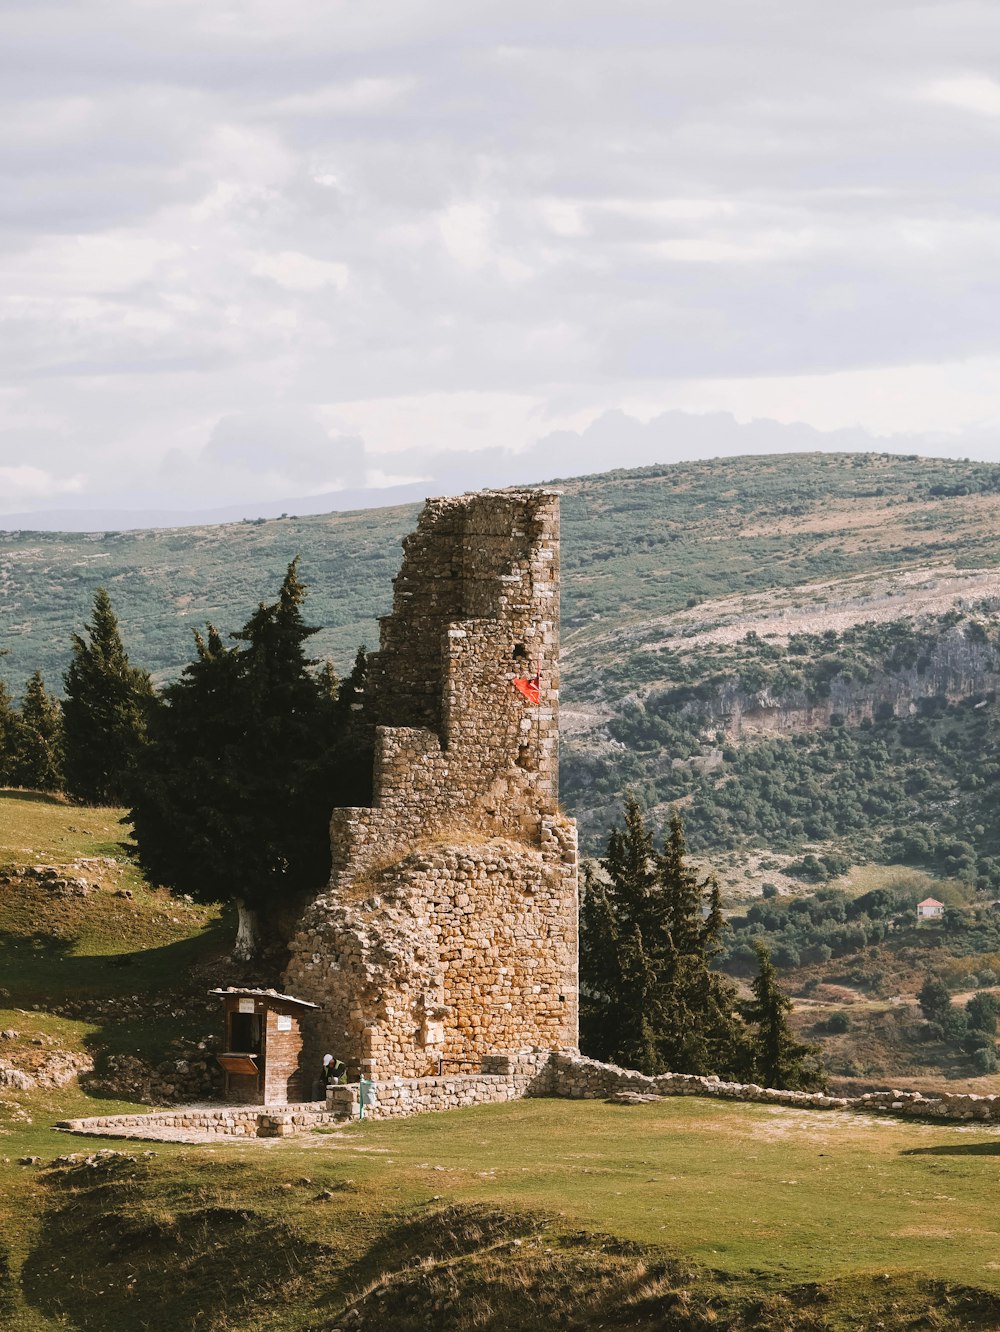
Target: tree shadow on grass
[
  {"x": 138, "y": 1002},
  {"x": 34, "y": 797},
  {"x": 956, "y": 1149},
  {"x": 42, "y": 968}
]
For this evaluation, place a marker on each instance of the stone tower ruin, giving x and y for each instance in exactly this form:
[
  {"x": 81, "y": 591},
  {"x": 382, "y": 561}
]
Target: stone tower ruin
[{"x": 448, "y": 930}]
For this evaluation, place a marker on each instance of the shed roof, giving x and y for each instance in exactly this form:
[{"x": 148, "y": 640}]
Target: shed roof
[
  {"x": 930, "y": 901},
  {"x": 245, "y": 992}
]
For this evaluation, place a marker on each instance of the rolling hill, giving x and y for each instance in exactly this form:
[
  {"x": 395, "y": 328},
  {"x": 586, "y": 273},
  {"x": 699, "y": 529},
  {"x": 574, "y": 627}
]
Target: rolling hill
[{"x": 715, "y": 616}]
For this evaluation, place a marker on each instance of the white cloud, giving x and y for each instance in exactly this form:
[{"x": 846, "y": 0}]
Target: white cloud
[
  {"x": 300, "y": 272},
  {"x": 563, "y": 217},
  {"x": 23, "y": 483},
  {"x": 468, "y": 231},
  {"x": 671, "y": 210},
  {"x": 441, "y": 421},
  {"x": 435, "y": 225},
  {"x": 970, "y": 92},
  {"x": 74, "y": 265},
  {"x": 949, "y": 398},
  {"x": 356, "y": 95}
]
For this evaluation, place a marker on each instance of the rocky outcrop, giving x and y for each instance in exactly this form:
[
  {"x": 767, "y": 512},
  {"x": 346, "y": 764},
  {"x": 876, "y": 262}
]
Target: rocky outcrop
[{"x": 955, "y": 667}]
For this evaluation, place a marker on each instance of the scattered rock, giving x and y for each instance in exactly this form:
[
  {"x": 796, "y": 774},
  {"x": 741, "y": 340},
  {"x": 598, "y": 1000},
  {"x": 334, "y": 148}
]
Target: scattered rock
[{"x": 15, "y": 1078}]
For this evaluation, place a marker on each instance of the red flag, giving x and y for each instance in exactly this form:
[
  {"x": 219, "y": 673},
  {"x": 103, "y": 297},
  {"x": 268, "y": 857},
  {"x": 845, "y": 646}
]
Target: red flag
[{"x": 529, "y": 688}]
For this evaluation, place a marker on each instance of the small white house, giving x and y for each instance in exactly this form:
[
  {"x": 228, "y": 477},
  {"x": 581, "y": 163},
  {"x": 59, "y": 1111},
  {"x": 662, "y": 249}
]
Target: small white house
[{"x": 930, "y": 909}]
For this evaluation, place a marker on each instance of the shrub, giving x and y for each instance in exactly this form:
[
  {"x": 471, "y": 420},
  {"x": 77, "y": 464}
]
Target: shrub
[
  {"x": 982, "y": 1010},
  {"x": 956, "y": 1026},
  {"x": 934, "y": 999},
  {"x": 985, "y": 1059},
  {"x": 836, "y": 1023}
]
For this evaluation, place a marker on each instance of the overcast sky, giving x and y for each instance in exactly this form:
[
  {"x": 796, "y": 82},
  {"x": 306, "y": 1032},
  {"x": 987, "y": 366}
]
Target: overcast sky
[{"x": 278, "y": 247}]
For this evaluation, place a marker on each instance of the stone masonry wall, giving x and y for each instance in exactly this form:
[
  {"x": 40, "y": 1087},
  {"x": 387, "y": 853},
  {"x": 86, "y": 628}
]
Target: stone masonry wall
[
  {"x": 507, "y": 1077},
  {"x": 195, "y": 1123},
  {"x": 449, "y": 927}
]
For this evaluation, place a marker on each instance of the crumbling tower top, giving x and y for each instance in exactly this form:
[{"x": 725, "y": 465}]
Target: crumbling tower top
[{"x": 476, "y": 605}]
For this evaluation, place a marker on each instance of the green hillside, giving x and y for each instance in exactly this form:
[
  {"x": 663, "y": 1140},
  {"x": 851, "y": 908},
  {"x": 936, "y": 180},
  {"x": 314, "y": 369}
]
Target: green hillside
[
  {"x": 780, "y": 578},
  {"x": 637, "y": 545}
]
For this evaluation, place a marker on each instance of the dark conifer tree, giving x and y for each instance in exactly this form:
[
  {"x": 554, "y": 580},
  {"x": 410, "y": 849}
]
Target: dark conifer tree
[
  {"x": 780, "y": 1059},
  {"x": 38, "y": 739},
  {"x": 602, "y": 1016},
  {"x": 8, "y": 725},
  {"x": 105, "y": 711},
  {"x": 350, "y": 762},
  {"x": 648, "y": 996},
  {"x": 236, "y": 794},
  {"x": 934, "y": 999}
]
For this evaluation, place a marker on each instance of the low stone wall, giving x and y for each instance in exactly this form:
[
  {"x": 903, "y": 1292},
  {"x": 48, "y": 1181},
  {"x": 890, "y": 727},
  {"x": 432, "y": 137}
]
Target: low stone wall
[
  {"x": 935, "y": 1105},
  {"x": 505, "y": 1077},
  {"x": 196, "y": 1123},
  {"x": 579, "y": 1078}
]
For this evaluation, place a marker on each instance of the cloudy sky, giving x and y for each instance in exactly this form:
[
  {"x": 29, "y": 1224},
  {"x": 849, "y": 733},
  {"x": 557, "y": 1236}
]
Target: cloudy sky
[{"x": 252, "y": 249}]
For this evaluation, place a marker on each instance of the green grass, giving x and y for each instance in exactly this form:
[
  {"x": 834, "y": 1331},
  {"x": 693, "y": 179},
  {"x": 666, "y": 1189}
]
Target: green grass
[
  {"x": 682, "y": 1214},
  {"x": 54, "y": 948},
  {"x": 46, "y": 829},
  {"x": 754, "y": 1204},
  {"x": 95, "y": 974}
]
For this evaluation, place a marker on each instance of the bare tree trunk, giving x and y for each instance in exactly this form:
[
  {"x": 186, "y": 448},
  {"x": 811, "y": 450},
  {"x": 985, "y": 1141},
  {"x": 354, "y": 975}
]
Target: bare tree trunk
[{"x": 247, "y": 944}]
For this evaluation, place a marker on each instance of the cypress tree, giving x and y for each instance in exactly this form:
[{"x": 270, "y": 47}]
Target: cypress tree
[
  {"x": 38, "y": 747},
  {"x": 602, "y": 1017},
  {"x": 780, "y": 1059},
  {"x": 105, "y": 711}
]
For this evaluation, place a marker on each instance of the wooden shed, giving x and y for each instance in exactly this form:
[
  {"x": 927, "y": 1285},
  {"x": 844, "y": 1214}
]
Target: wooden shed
[{"x": 262, "y": 1055}]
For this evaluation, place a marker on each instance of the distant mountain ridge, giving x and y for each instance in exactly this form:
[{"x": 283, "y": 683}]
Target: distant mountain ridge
[{"x": 670, "y": 437}]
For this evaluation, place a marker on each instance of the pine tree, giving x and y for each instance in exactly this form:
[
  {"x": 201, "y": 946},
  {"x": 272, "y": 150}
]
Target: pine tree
[
  {"x": 105, "y": 711},
  {"x": 648, "y": 996},
  {"x": 38, "y": 739},
  {"x": 237, "y": 776},
  {"x": 8, "y": 731},
  {"x": 780, "y": 1060},
  {"x": 601, "y": 1014},
  {"x": 350, "y": 762}
]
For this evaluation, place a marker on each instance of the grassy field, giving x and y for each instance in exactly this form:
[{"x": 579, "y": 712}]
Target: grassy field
[
  {"x": 574, "y": 1214},
  {"x": 681, "y": 1214}
]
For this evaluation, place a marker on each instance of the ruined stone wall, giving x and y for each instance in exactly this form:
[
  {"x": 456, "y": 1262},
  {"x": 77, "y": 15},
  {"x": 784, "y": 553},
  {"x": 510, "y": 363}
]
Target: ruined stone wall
[{"x": 449, "y": 929}]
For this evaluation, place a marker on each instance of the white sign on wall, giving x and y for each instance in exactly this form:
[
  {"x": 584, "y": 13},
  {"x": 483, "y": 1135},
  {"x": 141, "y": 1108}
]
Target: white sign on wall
[
  {"x": 284, "y": 1022},
  {"x": 245, "y": 1006}
]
